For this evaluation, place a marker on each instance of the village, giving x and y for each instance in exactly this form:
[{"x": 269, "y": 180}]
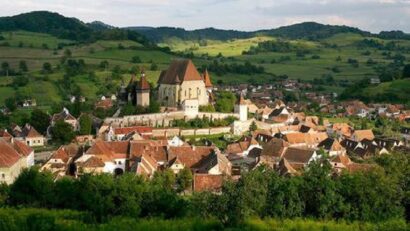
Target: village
[{"x": 262, "y": 130}]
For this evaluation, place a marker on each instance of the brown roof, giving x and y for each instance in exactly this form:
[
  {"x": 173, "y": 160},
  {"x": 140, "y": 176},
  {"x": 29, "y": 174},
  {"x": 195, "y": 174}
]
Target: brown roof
[
  {"x": 241, "y": 146},
  {"x": 5, "y": 134},
  {"x": 190, "y": 156},
  {"x": 298, "y": 155},
  {"x": 330, "y": 144},
  {"x": 364, "y": 134},
  {"x": 92, "y": 162},
  {"x": 343, "y": 159},
  {"x": 8, "y": 155},
  {"x": 241, "y": 100},
  {"x": 275, "y": 147},
  {"x": 61, "y": 154},
  {"x": 179, "y": 71},
  {"x": 22, "y": 148},
  {"x": 207, "y": 79},
  {"x": 207, "y": 182},
  {"x": 143, "y": 83},
  {"x": 30, "y": 132}
]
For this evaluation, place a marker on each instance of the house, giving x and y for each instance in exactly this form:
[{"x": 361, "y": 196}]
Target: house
[
  {"x": 113, "y": 154},
  {"x": 332, "y": 146},
  {"x": 359, "y": 135},
  {"x": 13, "y": 159},
  {"x": 296, "y": 159},
  {"x": 182, "y": 81},
  {"x": 405, "y": 132},
  {"x": 104, "y": 104},
  {"x": 305, "y": 139},
  {"x": 273, "y": 151},
  {"x": 65, "y": 116},
  {"x": 29, "y": 135},
  {"x": 207, "y": 182},
  {"x": 5, "y": 135},
  {"x": 243, "y": 147},
  {"x": 58, "y": 161},
  {"x": 340, "y": 130}
]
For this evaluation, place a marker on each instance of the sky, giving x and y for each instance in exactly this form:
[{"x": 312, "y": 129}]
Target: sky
[{"x": 247, "y": 15}]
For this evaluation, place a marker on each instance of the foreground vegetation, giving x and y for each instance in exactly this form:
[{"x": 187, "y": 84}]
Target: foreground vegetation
[
  {"x": 355, "y": 200},
  {"x": 47, "y": 220}
]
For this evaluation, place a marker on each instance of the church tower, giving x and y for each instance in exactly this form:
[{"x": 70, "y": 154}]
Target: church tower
[
  {"x": 241, "y": 108},
  {"x": 142, "y": 90}
]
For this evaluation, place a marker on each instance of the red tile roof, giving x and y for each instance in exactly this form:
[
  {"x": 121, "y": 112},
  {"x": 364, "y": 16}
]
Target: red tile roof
[
  {"x": 8, "y": 155},
  {"x": 207, "y": 182},
  {"x": 22, "y": 148},
  {"x": 143, "y": 84},
  {"x": 207, "y": 79},
  {"x": 180, "y": 71}
]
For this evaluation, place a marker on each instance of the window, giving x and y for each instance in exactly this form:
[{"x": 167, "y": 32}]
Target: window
[
  {"x": 3, "y": 175},
  {"x": 119, "y": 162}
]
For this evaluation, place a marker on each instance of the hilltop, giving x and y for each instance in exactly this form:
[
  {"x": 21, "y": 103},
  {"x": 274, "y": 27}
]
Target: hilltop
[{"x": 330, "y": 58}]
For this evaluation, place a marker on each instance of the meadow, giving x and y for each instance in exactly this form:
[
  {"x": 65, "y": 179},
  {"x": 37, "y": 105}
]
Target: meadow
[{"x": 322, "y": 58}]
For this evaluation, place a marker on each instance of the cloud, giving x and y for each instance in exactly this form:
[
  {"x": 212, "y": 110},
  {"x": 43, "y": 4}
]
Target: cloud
[{"x": 373, "y": 15}]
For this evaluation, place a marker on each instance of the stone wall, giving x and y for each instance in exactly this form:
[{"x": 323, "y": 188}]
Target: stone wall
[{"x": 170, "y": 132}]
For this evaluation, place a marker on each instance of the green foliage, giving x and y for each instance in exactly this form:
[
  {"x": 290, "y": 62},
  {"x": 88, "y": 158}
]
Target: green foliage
[
  {"x": 85, "y": 124},
  {"x": 183, "y": 179},
  {"x": 11, "y": 103},
  {"x": 225, "y": 102},
  {"x": 32, "y": 188},
  {"x": 253, "y": 126},
  {"x": 40, "y": 120},
  {"x": 207, "y": 108},
  {"x": 62, "y": 132},
  {"x": 20, "y": 81}
]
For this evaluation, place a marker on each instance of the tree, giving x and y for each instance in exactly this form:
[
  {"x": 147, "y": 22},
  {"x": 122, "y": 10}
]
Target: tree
[
  {"x": 184, "y": 179},
  {"x": 20, "y": 81},
  {"x": 253, "y": 126},
  {"x": 62, "y": 132},
  {"x": 23, "y": 66},
  {"x": 5, "y": 68},
  {"x": 47, "y": 68},
  {"x": 406, "y": 71},
  {"x": 104, "y": 65},
  {"x": 32, "y": 188},
  {"x": 85, "y": 124},
  {"x": 225, "y": 102},
  {"x": 154, "y": 106},
  {"x": 40, "y": 120},
  {"x": 135, "y": 59},
  {"x": 154, "y": 67},
  {"x": 11, "y": 103}
]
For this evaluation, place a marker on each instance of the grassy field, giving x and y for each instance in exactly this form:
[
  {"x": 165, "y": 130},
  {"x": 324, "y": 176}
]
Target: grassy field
[{"x": 329, "y": 60}]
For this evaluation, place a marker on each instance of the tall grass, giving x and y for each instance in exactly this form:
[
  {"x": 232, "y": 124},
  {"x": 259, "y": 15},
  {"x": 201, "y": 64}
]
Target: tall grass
[{"x": 67, "y": 220}]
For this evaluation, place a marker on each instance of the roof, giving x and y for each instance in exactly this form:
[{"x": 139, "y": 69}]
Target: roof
[
  {"x": 179, "y": 71},
  {"x": 22, "y": 148},
  {"x": 298, "y": 155},
  {"x": 30, "y": 132},
  {"x": 207, "y": 79},
  {"x": 241, "y": 100},
  {"x": 8, "y": 155},
  {"x": 61, "y": 154},
  {"x": 363, "y": 134},
  {"x": 241, "y": 146},
  {"x": 92, "y": 162},
  {"x": 275, "y": 147},
  {"x": 190, "y": 156},
  {"x": 143, "y": 83},
  {"x": 207, "y": 182},
  {"x": 63, "y": 115},
  {"x": 330, "y": 144}
]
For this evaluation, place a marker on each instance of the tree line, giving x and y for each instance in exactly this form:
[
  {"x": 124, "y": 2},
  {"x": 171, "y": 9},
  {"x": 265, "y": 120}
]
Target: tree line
[{"x": 376, "y": 195}]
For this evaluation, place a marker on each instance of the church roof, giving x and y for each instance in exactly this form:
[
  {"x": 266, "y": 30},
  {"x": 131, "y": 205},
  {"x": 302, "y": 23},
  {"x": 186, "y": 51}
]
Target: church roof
[
  {"x": 180, "y": 70},
  {"x": 143, "y": 84},
  {"x": 207, "y": 79}
]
